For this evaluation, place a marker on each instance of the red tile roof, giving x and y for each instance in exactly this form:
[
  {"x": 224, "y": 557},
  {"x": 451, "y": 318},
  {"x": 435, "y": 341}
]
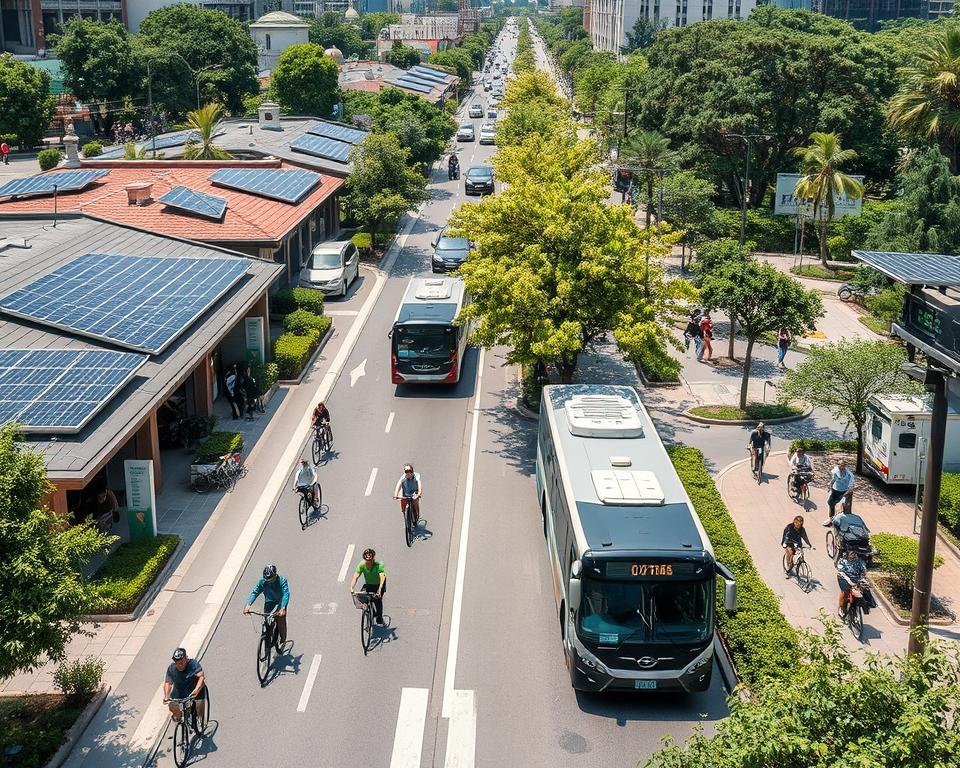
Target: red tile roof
[{"x": 248, "y": 217}]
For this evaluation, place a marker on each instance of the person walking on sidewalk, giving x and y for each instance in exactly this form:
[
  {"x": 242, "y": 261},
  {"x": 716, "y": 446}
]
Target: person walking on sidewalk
[
  {"x": 5, "y": 151},
  {"x": 706, "y": 331},
  {"x": 794, "y": 535},
  {"x": 230, "y": 384},
  {"x": 693, "y": 333},
  {"x": 783, "y": 344},
  {"x": 841, "y": 487}
]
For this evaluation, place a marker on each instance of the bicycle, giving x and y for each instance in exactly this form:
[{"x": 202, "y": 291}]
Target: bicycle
[
  {"x": 756, "y": 463},
  {"x": 801, "y": 569},
  {"x": 269, "y": 639},
  {"x": 322, "y": 440},
  {"x": 189, "y": 720},
  {"x": 224, "y": 475},
  {"x": 364, "y": 601},
  {"x": 803, "y": 495},
  {"x": 409, "y": 524},
  {"x": 853, "y": 615},
  {"x": 306, "y": 505}
]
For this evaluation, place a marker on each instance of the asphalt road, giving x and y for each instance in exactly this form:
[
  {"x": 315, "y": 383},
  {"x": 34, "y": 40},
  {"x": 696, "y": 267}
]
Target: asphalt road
[{"x": 469, "y": 670}]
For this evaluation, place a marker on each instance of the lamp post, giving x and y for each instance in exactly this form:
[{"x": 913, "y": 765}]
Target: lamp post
[{"x": 747, "y": 139}]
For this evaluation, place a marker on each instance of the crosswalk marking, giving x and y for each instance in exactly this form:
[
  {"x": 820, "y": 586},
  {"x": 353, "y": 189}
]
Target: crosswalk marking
[
  {"x": 411, "y": 720},
  {"x": 462, "y": 734}
]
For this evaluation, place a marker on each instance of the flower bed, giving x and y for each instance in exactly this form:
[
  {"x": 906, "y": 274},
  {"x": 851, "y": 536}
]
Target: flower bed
[{"x": 129, "y": 572}]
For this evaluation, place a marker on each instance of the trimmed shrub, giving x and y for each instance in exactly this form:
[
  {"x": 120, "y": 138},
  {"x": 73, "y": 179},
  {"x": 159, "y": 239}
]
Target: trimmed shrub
[
  {"x": 813, "y": 444},
  {"x": 281, "y": 302},
  {"x": 80, "y": 678},
  {"x": 128, "y": 573},
  {"x": 92, "y": 149},
  {"x": 49, "y": 158},
  {"x": 773, "y": 234},
  {"x": 291, "y": 352},
  {"x": 266, "y": 375},
  {"x": 308, "y": 299},
  {"x": 761, "y": 642},
  {"x": 658, "y": 365},
  {"x": 898, "y": 557},
  {"x": 753, "y": 412},
  {"x": 950, "y": 501},
  {"x": 363, "y": 240},
  {"x": 301, "y": 320},
  {"x": 217, "y": 445},
  {"x": 531, "y": 387}
]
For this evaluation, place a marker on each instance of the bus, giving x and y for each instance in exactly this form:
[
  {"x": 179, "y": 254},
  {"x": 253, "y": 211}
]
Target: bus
[
  {"x": 427, "y": 343},
  {"x": 634, "y": 576}
]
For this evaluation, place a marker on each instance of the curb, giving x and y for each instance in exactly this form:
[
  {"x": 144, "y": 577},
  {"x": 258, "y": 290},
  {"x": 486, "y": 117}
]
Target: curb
[
  {"x": 743, "y": 422},
  {"x": 897, "y": 619},
  {"x": 727, "y": 671},
  {"x": 77, "y": 729},
  {"x": 655, "y": 384},
  {"x": 313, "y": 359}
]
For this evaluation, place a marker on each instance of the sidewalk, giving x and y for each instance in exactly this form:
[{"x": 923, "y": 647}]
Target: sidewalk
[{"x": 761, "y": 512}]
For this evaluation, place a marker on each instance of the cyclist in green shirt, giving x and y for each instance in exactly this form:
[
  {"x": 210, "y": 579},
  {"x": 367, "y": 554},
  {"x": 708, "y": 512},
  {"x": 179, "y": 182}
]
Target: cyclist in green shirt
[{"x": 374, "y": 580}]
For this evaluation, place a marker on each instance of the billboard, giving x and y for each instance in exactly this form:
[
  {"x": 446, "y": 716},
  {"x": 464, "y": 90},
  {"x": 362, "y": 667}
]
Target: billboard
[{"x": 785, "y": 204}]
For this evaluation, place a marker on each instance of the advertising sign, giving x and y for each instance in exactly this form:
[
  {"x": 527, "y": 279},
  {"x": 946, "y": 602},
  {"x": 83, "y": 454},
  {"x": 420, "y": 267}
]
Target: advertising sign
[
  {"x": 253, "y": 330},
  {"x": 141, "y": 498},
  {"x": 785, "y": 204}
]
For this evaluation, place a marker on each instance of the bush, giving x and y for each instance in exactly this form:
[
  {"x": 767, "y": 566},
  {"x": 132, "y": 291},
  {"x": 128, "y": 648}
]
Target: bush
[
  {"x": 814, "y": 444},
  {"x": 761, "y": 642},
  {"x": 658, "y": 365},
  {"x": 364, "y": 240},
  {"x": 898, "y": 557},
  {"x": 266, "y": 375},
  {"x": 819, "y": 273},
  {"x": 886, "y": 305},
  {"x": 772, "y": 234},
  {"x": 531, "y": 387},
  {"x": 281, "y": 302},
  {"x": 128, "y": 573},
  {"x": 753, "y": 412},
  {"x": 950, "y": 501},
  {"x": 49, "y": 158},
  {"x": 839, "y": 248},
  {"x": 80, "y": 678},
  {"x": 92, "y": 149},
  {"x": 301, "y": 321},
  {"x": 291, "y": 351},
  {"x": 217, "y": 445},
  {"x": 308, "y": 299}
]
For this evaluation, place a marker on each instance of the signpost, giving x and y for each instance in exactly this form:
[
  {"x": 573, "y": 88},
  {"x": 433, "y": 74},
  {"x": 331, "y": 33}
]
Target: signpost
[
  {"x": 253, "y": 331},
  {"x": 141, "y": 498},
  {"x": 785, "y": 204}
]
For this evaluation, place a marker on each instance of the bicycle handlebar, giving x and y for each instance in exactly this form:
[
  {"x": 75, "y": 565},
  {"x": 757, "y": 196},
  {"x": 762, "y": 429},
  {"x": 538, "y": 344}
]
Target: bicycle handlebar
[{"x": 265, "y": 615}]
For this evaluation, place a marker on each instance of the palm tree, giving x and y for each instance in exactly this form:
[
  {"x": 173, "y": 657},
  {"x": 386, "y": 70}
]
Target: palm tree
[
  {"x": 927, "y": 104},
  {"x": 649, "y": 150},
  {"x": 205, "y": 121},
  {"x": 822, "y": 182}
]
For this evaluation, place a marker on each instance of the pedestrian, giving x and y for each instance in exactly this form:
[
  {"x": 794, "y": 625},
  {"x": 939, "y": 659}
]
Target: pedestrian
[
  {"x": 251, "y": 393},
  {"x": 783, "y": 344},
  {"x": 706, "y": 329},
  {"x": 5, "y": 151},
  {"x": 692, "y": 331},
  {"x": 230, "y": 384}
]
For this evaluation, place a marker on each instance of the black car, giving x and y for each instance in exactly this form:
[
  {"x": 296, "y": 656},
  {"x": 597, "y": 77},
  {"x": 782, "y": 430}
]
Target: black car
[
  {"x": 479, "y": 180},
  {"x": 449, "y": 253}
]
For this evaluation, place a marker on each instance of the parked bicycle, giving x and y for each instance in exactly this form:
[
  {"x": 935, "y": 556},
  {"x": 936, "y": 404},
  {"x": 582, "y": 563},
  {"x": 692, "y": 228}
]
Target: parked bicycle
[
  {"x": 228, "y": 470},
  {"x": 364, "y": 602},
  {"x": 268, "y": 644},
  {"x": 322, "y": 440},
  {"x": 190, "y": 726},
  {"x": 801, "y": 569}
]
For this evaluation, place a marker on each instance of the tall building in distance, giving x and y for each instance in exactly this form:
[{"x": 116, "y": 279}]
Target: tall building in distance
[{"x": 868, "y": 14}]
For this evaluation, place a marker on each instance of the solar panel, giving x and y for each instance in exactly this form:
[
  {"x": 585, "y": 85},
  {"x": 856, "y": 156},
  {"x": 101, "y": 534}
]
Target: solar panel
[
  {"x": 429, "y": 74},
  {"x": 68, "y": 181},
  {"x": 414, "y": 78},
  {"x": 112, "y": 154},
  {"x": 321, "y": 146},
  {"x": 915, "y": 268},
  {"x": 60, "y": 390},
  {"x": 170, "y": 140},
  {"x": 195, "y": 202},
  {"x": 289, "y": 186},
  {"x": 338, "y": 132},
  {"x": 413, "y": 86},
  {"x": 138, "y": 302}
]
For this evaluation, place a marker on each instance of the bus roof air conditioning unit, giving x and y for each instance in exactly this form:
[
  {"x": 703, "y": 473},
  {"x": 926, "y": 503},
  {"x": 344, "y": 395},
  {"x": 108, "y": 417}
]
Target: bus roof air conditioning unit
[
  {"x": 621, "y": 487},
  {"x": 603, "y": 416},
  {"x": 434, "y": 289}
]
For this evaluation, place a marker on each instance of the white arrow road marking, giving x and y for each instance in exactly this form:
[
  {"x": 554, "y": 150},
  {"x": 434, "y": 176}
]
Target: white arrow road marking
[
  {"x": 347, "y": 558},
  {"x": 370, "y": 482},
  {"x": 356, "y": 373},
  {"x": 408, "y": 740},
  {"x": 308, "y": 686}
]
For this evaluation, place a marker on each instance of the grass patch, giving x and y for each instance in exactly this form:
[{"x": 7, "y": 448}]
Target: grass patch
[
  {"x": 37, "y": 723},
  {"x": 216, "y": 445},
  {"x": 757, "y": 411},
  {"x": 813, "y": 444},
  {"x": 817, "y": 272},
  {"x": 128, "y": 573},
  {"x": 875, "y": 324}
]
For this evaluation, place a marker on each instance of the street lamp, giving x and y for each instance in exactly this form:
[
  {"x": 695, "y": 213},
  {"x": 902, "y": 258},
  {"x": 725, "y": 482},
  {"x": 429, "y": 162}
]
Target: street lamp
[{"x": 747, "y": 139}]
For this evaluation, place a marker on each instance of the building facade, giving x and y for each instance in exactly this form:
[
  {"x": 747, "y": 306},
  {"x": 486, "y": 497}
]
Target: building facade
[
  {"x": 868, "y": 14},
  {"x": 611, "y": 20},
  {"x": 273, "y": 33}
]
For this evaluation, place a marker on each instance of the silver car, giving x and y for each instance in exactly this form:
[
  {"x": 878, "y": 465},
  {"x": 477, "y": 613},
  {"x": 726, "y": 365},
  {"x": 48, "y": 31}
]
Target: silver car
[
  {"x": 466, "y": 133},
  {"x": 332, "y": 267}
]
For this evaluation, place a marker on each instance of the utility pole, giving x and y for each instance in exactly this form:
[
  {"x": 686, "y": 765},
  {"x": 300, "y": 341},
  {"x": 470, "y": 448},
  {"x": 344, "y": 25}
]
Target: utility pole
[
  {"x": 626, "y": 109},
  {"x": 153, "y": 132}
]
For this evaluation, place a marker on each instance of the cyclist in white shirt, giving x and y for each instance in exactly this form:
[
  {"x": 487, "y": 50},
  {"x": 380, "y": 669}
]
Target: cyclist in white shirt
[
  {"x": 409, "y": 490},
  {"x": 307, "y": 478},
  {"x": 800, "y": 462}
]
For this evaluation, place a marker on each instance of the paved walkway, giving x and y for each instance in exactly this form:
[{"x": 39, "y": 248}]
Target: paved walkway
[{"x": 761, "y": 512}]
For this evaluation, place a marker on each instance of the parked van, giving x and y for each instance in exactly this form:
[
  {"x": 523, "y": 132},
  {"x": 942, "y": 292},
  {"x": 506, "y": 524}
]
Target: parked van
[{"x": 897, "y": 427}]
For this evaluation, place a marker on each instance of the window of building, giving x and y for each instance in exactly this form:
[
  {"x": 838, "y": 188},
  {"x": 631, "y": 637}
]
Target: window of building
[{"x": 267, "y": 41}]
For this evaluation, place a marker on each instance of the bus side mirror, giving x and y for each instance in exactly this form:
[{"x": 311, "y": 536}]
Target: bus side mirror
[
  {"x": 390, "y": 334},
  {"x": 729, "y": 588},
  {"x": 575, "y": 590}
]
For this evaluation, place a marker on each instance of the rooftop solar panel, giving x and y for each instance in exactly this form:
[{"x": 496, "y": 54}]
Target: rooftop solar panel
[
  {"x": 415, "y": 78},
  {"x": 170, "y": 140},
  {"x": 411, "y": 85},
  {"x": 322, "y": 146},
  {"x": 915, "y": 268},
  {"x": 138, "y": 302},
  {"x": 338, "y": 132},
  {"x": 289, "y": 186},
  {"x": 112, "y": 154},
  {"x": 193, "y": 201},
  {"x": 430, "y": 74},
  {"x": 44, "y": 184},
  {"x": 60, "y": 390}
]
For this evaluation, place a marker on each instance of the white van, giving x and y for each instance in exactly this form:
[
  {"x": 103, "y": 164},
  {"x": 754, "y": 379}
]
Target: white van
[
  {"x": 333, "y": 265},
  {"x": 897, "y": 427}
]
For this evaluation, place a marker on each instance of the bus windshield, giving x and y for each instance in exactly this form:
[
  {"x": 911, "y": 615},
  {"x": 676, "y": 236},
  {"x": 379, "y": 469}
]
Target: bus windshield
[
  {"x": 424, "y": 342},
  {"x": 618, "y": 612}
]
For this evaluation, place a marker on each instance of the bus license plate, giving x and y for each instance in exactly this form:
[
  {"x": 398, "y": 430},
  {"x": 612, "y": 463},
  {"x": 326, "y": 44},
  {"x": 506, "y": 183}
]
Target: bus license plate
[{"x": 645, "y": 684}]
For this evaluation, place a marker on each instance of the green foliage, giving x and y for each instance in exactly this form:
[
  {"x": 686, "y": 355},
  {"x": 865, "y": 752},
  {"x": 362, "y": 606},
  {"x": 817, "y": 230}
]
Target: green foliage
[
  {"x": 308, "y": 299},
  {"x": 281, "y": 302},
  {"x": 251, "y": 104},
  {"x": 753, "y": 411},
  {"x": 49, "y": 158},
  {"x": 291, "y": 352},
  {"x": 305, "y": 81},
  {"x": 769, "y": 233},
  {"x": 898, "y": 557},
  {"x": 851, "y": 232},
  {"x": 205, "y": 121},
  {"x": 420, "y": 128},
  {"x": 128, "y": 573},
  {"x": 713, "y": 254},
  {"x": 80, "y": 678},
  {"x": 402, "y": 56},
  {"x": 26, "y": 106},
  {"x": 817, "y": 444},
  {"x": 817, "y": 272},
  {"x": 644, "y": 33},
  {"x": 37, "y": 724},
  {"x": 301, "y": 321},
  {"x": 92, "y": 149},
  {"x": 531, "y": 386},
  {"x": 364, "y": 243},
  {"x": 265, "y": 375},
  {"x": 761, "y": 642},
  {"x": 98, "y": 59},
  {"x": 456, "y": 60},
  {"x": 687, "y": 204},
  {"x": 887, "y": 305},
  {"x": 216, "y": 445},
  {"x": 372, "y": 23},
  {"x": 658, "y": 365},
  {"x": 343, "y": 36},
  {"x": 950, "y": 501}
]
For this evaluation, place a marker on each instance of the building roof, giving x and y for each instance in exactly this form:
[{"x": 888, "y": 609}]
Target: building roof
[
  {"x": 76, "y": 457},
  {"x": 429, "y": 83},
  {"x": 248, "y": 218},
  {"x": 280, "y": 19}
]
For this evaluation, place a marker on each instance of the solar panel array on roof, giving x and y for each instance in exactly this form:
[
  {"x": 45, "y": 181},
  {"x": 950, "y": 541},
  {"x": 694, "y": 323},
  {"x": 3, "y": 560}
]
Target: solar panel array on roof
[
  {"x": 112, "y": 154},
  {"x": 338, "y": 132},
  {"x": 161, "y": 142},
  {"x": 60, "y": 390},
  {"x": 193, "y": 201},
  {"x": 322, "y": 146},
  {"x": 915, "y": 268},
  {"x": 411, "y": 84},
  {"x": 415, "y": 78},
  {"x": 69, "y": 181},
  {"x": 138, "y": 302},
  {"x": 288, "y": 186},
  {"x": 430, "y": 74}
]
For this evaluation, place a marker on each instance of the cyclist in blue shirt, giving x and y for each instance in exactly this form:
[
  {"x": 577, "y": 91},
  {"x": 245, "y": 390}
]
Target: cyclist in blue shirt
[{"x": 276, "y": 595}]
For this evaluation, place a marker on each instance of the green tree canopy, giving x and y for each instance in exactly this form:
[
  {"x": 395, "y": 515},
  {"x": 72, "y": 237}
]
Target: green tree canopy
[
  {"x": 98, "y": 60},
  {"x": 402, "y": 56},
  {"x": 207, "y": 38},
  {"x": 535, "y": 86},
  {"x": 843, "y": 376},
  {"x": 420, "y": 127},
  {"x": 42, "y": 593},
  {"x": 372, "y": 23},
  {"x": 713, "y": 254},
  {"x": 344, "y": 36},
  {"x": 205, "y": 121},
  {"x": 649, "y": 151},
  {"x": 687, "y": 205},
  {"x": 26, "y": 106},
  {"x": 457, "y": 61},
  {"x": 305, "y": 81},
  {"x": 644, "y": 33},
  {"x": 760, "y": 299}
]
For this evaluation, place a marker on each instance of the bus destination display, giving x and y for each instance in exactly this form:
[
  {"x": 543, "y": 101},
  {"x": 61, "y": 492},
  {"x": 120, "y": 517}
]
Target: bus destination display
[{"x": 660, "y": 569}]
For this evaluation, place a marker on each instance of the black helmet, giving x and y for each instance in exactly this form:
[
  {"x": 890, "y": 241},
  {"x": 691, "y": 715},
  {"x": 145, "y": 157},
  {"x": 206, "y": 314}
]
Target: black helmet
[
  {"x": 180, "y": 653},
  {"x": 269, "y": 571}
]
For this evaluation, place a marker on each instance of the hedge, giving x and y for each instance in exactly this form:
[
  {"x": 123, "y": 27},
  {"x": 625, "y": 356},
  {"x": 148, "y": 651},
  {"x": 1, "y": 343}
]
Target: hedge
[
  {"x": 753, "y": 412},
  {"x": 814, "y": 444},
  {"x": 92, "y": 149},
  {"x": 950, "y": 501},
  {"x": 128, "y": 573},
  {"x": 281, "y": 302},
  {"x": 761, "y": 642},
  {"x": 658, "y": 365},
  {"x": 897, "y": 555},
  {"x": 300, "y": 321},
  {"x": 217, "y": 445},
  {"x": 364, "y": 241},
  {"x": 266, "y": 375},
  {"x": 49, "y": 158},
  {"x": 288, "y": 300},
  {"x": 292, "y": 351}
]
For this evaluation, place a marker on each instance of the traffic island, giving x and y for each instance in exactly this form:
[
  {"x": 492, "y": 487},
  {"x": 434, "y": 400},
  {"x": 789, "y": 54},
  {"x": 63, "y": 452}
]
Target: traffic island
[{"x": 772, "y": 413}]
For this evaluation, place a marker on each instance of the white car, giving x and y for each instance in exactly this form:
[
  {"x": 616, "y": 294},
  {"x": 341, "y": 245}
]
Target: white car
[
  {"x": 488, "y": 133},
  {"x": 332, "y": 267},
  {"x": 476, "y": 110},
  {"x": 466, "y": 133}
]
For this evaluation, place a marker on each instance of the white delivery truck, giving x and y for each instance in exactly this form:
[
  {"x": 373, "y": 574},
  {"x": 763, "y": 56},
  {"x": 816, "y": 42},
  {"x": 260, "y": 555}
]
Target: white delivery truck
[{"x": 897, "y": 428}]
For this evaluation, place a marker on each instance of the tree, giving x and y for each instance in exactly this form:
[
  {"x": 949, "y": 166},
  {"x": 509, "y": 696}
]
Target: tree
[
  {"x": 382, "y": 186},
  {"x": 372, "y": 23},
  {"x": 713, "y": 254},
  {"x": 205, "y": 121},
  {"x": 535, "y": 86},
  {"x": 644, "y": 34},
  {"x": 823, "y": 183},
  {"x": 457, "y": 61},
  {"x": 42, "y": 593},
  {"x": 527, "y": 119},
  {"x": 926, "y": 106},
  {"x": 26, "y": 106},
  {"x": 590, "y": 83},
  {"x": 420, "y": 126},
  {"x": 305, "y": 81},
  {"x": 843, "y": 376},
  {"x": 839, "y": 707},
  {"x": 688, "y": 206},
  {"x": 207, "y": 38},
  {"x": 344, "y": 36},
  {"x": 402, "y": 56},
  {"x": 649, "y": 150},
  {"x": 760, "y": 300}
]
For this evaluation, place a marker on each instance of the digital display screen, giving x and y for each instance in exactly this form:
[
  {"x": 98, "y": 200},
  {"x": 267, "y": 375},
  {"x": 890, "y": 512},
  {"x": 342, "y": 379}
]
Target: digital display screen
[
  {"x": 925, "y": 318},
  {"x": 652, "y": 569}
]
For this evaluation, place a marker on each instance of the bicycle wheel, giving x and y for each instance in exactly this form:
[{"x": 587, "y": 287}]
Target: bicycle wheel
[
  {"x": 317, "y": 448},
  {"x": 319, "y": 499},
  {"x": 263, "y": 658},
  {"x": 831, "y": 545},
  {"x": 783, "y": 564},
  {"x": 803, "y": 575},
  {"x": 856, "y": 621},
  {"x": 181, "y": 743},
  {"x": 304, "y": 511},
  {"x": 276, "y": 638},
  {"x": 200, "y": 723},
  {"x": 760, "y": 469},
  {"x": 328, "y": 438},
  {"x": 408, "y": 525},
  {"x": 202, "y": 483},
  {"x": 366, "y": 626},
  {"x": 791, "y": 488}
]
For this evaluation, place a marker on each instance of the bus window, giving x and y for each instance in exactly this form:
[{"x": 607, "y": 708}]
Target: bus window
[{"x": 414, "y": 342}]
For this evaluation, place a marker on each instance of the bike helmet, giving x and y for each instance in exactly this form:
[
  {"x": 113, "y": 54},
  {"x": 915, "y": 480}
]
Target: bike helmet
[
  {"x": 269, "y": 571},
  {"x": 180, "y": 653}
]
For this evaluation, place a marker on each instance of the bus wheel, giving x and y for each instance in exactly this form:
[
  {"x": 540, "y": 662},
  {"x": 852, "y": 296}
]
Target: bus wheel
[{"x": 543, "y": 514}]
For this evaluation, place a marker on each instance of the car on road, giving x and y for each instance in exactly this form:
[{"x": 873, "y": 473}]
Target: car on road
[
  {"x": 479, "y": 180},
  {"x": 466, "y": 133},
  {"x": 491, "y": 114},
  {"x": 488, "y": 133},
  {"x": 476, "y": 110},
  {"x": 333, "y": 265},
  {"x": 449, "y": 252},
  {"x": 487, "y": 85}
]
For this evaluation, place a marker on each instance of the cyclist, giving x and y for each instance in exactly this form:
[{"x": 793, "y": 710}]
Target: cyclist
[
  {"x": 307, "y": 479},
  {"x": 850, "y": 572},
  {"x": 794, "y": 535},
  {"x": 184, "y": 679},
  {"x": 841, "y": 487},
  {"x": 321, "y": 415},
  {"x": 374, "y": 580},
  {"x": 409, "y": 490},
  {"x": 276, "y": 596},
  {"x": 800, "y": 463},
  {"x": 758, "y": 441}
]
